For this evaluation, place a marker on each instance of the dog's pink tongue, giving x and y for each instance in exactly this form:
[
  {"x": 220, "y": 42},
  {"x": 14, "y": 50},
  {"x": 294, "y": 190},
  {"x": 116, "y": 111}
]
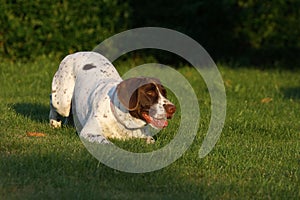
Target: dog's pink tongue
[{"x": 159, "y": 123}]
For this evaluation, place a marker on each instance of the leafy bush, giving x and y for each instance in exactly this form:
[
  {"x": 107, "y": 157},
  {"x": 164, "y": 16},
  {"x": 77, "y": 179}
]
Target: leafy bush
[
  {"x": 249, "y": 30},
  {"x": 270, "y": 28},
  {"x": 31, "y": 28}
]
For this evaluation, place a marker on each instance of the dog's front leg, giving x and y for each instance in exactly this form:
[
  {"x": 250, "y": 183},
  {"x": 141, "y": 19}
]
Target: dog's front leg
[
  {"x": 150, "y": 140},
  {"x": 93, "y": 133}
]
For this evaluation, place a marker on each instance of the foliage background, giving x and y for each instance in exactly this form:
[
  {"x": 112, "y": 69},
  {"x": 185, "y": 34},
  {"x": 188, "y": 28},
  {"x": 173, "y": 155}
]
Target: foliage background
[
  {"x": 247, "y": 31},
  {"x": 33, "y": 28}
]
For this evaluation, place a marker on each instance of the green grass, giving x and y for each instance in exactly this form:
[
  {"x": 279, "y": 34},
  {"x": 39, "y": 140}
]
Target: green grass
[{"x": 257, "y": 156}]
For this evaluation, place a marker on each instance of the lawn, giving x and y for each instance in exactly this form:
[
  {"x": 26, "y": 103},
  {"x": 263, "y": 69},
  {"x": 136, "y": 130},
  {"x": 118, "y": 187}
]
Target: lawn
[{"x": 256, "y": 157}]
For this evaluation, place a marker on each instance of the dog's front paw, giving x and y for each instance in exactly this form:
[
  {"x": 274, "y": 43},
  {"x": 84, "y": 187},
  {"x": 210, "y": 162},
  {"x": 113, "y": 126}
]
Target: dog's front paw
[
  {"x": 150, "y": 140},
  {"x": 55, "y": 124}
]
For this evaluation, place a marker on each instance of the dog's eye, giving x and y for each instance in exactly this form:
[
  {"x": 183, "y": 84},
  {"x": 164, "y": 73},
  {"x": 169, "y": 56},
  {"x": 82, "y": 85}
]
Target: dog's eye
[{"x": 151, "y": 93}]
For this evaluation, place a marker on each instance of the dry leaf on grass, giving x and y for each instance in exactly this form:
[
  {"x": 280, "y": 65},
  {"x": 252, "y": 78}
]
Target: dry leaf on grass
[
  {"x": 266, "y": 100},
  {"x": 35, "y": 134},
  {"x": 228, "y": 83}
]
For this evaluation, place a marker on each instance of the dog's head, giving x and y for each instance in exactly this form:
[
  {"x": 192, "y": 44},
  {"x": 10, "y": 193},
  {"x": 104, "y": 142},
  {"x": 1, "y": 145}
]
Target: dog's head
[{"x": 146, "y": 99}]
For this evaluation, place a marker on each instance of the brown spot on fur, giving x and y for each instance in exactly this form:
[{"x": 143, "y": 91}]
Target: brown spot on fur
[{"x": 88, "y": 66}]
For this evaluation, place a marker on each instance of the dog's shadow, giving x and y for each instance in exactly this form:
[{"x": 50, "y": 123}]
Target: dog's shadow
[{"x": 34, "y": 111}]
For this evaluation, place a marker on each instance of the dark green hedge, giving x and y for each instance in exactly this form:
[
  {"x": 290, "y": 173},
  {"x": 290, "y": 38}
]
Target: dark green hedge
[
  {"x": 252, "y": 31},
  {"x": 249, "y": 30},
  {"x": 36, "y": 27}
]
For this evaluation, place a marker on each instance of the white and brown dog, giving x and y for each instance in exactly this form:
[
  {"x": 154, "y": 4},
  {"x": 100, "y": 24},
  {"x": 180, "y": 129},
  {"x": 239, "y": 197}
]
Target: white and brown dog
[{"x": 105, "y": 106}]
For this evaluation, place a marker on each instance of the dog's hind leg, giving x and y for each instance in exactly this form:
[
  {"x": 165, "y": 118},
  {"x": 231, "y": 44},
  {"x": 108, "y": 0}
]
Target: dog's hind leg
[
  {"x": 54, "y": 117},
  {"x": 62, "y": 91},
  {"x": 56, "y": 120}
]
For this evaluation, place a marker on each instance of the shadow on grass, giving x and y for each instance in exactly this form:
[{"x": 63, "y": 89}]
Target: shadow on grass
[
  {"x": 65, "y": 175},
  {"x": 34, "y": 111},
  {"x": 291, "y": 93}
]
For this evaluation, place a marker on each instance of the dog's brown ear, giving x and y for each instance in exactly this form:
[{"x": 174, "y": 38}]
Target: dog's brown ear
[{"x": 127, "y": 92}]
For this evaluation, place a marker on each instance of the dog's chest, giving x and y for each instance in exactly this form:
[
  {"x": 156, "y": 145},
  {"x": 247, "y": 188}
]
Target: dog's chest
[
  {"x": 114, "y": 122},
  {"x": 96, "y": 104}
]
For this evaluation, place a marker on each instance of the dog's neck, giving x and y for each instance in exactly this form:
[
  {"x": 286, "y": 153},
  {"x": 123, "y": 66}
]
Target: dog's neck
[{"x": 122, "y": 115}]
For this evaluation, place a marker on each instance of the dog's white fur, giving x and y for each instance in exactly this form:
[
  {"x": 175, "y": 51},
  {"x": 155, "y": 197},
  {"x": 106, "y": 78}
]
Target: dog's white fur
[{"x": 88, "y": 81}]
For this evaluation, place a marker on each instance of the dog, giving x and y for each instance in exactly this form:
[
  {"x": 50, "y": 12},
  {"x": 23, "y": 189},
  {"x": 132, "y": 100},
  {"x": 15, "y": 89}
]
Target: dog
[{"x": 104, "y": 105}]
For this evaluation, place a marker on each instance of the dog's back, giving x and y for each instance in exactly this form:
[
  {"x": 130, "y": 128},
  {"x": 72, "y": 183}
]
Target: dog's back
[{"x": 84, "y": 68}]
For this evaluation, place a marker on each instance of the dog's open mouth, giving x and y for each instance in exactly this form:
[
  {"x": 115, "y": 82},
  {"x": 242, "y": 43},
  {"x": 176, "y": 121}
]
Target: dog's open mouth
[{"x": 156, "y": 123}]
